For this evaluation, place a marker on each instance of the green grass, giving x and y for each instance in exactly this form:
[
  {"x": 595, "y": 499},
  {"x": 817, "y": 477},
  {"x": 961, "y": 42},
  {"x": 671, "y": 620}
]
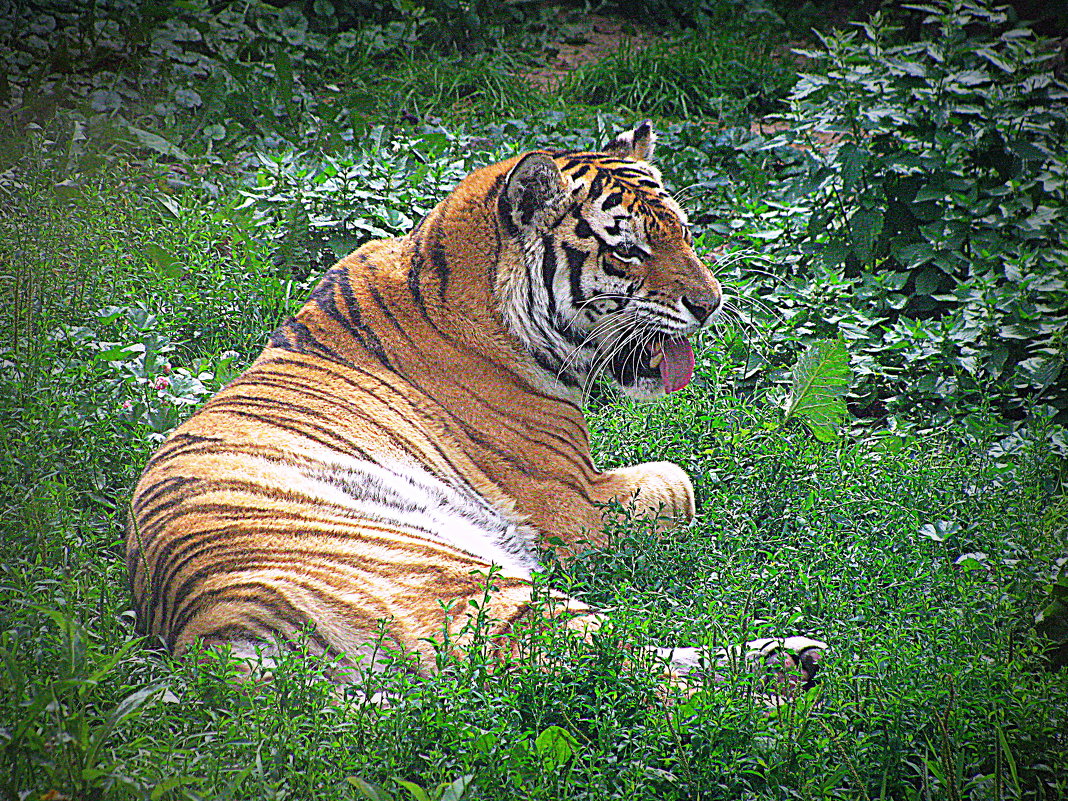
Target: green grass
[
  {"x": 458, "y": 88},
  {"x": 921, "y": 558},
  {"x": 935, "y": 659},
  {"x": 725, "y": 76}
]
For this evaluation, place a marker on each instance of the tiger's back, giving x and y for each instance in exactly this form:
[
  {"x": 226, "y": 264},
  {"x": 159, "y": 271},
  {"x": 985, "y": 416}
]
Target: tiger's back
[{"x": 419, "y": 419}]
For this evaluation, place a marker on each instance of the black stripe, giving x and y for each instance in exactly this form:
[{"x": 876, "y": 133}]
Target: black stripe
[
  {"x": 336, "y": 282},
  {"x": 264, "y": 597},
  {"x": 576, "y": 261},
  {"x": 440, "y": 260},
  {"x": 548, "y": 273},
  {"x": 295, "y": 336},
  {"x": 414, "y": 275},
  {"x": 383, "y": 307},
  {"x": 504, "y": 209}
]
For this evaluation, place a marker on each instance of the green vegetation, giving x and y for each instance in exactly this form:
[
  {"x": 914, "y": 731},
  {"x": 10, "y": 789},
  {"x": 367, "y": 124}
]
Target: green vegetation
[
  {"x": 721, "y": 77},
  {"x": 156, "y": 227}
]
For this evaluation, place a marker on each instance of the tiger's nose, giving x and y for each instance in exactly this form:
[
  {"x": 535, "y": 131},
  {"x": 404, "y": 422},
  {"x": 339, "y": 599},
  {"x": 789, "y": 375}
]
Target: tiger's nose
[{"x": 703, "y": 306}]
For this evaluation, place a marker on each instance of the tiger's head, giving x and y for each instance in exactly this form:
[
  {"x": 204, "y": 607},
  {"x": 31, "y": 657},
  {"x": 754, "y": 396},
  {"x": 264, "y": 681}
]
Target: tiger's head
[{"x": 606, "y": 280}]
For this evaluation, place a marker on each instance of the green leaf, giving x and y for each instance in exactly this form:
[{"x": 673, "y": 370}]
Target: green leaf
[
  {"x": 995, "y": 59},
  {"x": 416, "y": 792},
  {"x": 372, "y": 792},
  {"x": 852, "y": 159},
  {"x": 164, "y": 787},
  {"x": 163, "y": 260},
  {"x": 556, "y": 745},
  {"x": 120, "y": 353},
  {"x": 939, "y": 530},
  {"x": 456, "y": 790},
  {"x": 971, "y": 561},
  {"x": 971, "y": 77},
  {"x": 1041, "y": 371},
  {"x": 928, "y": 280},
  {"x": 1052, "y": 620},
  {"x": 157, "y": 143},
  {"x": 487, "y": 740},
  {"x": 132, "y": 704},
  {"x": 1009, "y": 760},
  {"x": 864, "y": 227},
  {"x": 913, "y": 255},
  {"x": 1027, "y": 151},
  {"x": 820, "y": 381},
  {"x": 74, "y": 638}
]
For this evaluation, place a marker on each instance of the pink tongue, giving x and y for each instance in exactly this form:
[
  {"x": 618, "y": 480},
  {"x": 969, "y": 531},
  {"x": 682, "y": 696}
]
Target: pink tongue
[{"x": 676, "y": 369}]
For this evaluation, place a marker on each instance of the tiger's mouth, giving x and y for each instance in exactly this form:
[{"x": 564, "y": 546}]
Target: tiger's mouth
[{"x": 669, "y": 359}]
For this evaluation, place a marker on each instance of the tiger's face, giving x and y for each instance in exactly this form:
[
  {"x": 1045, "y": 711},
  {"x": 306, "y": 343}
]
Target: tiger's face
[{"x": 612, "y": 285}]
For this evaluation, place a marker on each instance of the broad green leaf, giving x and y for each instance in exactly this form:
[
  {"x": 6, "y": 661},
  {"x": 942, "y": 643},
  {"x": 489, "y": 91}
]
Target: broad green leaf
[
  {"x": 928, "y": 280},
  {"x": 372, "y": 792},
  {"x": 163, "y": 788},
  {"x": 556, "y": 745},
  {"x": 971, "y": 561},
  {"x": 1041, "y": 371},
  {"x": 864, "y": 228},
  {"x": 416, "y": 792},
  {"x": 971, "y": 77},
  {"x": 456, "y": 790},
  {"x": 1027, "y": 150},
  {"x": 132, "y": 704},
  {"x": 487, "y": 740},
  {"x": 820, "y": 381},
  {"x": 190, "y": 98},
  {"x": 939, "y": 530},
  {"x": 1009, "y": 760},
  {"x": 158, "y": 143},
  {"x": 995, "y": 59},
  {"x": 1052, "y": 620},
  {"x": 163, "y": 260},
  {"x": 852, "y": 159}
]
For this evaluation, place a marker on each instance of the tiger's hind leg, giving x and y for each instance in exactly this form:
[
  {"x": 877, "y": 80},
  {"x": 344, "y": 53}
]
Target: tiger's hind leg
[
  {"x": 783, "y": 668},
  {"x": 251, "y": 660}
]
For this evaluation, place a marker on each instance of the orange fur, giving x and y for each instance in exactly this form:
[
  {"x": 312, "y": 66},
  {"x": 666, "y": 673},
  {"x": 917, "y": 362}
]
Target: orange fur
[{"x": 259, "y": 515}]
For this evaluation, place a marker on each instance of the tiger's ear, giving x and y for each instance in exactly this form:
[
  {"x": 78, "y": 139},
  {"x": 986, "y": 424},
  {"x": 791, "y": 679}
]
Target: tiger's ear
[
  {"x": 533, "y": 185},
  {"x": 637, "y": 144}
]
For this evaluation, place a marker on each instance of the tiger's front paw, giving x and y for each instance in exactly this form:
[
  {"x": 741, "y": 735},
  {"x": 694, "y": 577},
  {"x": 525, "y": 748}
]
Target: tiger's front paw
[{"x": 659, "y": 489}]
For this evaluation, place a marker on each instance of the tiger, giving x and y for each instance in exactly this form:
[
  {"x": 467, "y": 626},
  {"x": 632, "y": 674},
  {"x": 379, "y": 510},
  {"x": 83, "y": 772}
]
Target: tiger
[{"x": 418, "y": 423}]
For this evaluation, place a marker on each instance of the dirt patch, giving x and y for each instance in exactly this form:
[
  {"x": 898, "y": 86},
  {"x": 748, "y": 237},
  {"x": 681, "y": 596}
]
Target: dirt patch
[{"x": 587, "y": 42}]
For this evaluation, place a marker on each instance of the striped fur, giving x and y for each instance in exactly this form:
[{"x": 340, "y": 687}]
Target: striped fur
[{"x": 419, "y": 419}]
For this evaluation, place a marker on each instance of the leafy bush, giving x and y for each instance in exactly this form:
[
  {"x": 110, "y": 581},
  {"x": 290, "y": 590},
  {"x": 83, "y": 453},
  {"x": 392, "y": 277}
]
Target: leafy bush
[
  {"x": 94, "y": 80},
  {"x": 940, "y": 206},
  {"x": 316, "y": 208},
  {"x": 467, "y": 25},
  {"x": 703, "y": 14},
  {"x": 922, "y": 559},
  {"x": 84, "y": 85},
  {"x": 914, "y": 205}
]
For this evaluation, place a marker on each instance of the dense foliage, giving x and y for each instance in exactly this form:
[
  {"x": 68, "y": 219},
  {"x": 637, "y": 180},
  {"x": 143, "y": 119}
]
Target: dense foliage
[
  {"x": 940, "y": 207},
  {"x": 175, "y": 177}
]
